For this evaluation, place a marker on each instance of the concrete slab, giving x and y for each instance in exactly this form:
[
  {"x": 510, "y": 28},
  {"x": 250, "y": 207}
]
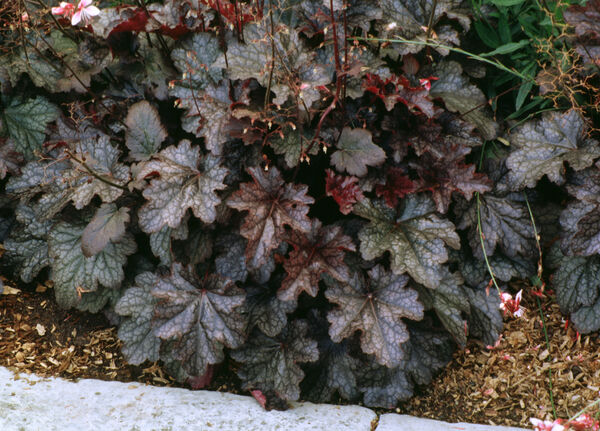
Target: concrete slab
[
  {"x": 394, "y": 422},
  {"x": 31, "y": 403}
]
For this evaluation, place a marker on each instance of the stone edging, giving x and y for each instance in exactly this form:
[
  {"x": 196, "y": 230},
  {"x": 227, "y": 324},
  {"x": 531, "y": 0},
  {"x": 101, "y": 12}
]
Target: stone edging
[{"x": 31, "y": 403}]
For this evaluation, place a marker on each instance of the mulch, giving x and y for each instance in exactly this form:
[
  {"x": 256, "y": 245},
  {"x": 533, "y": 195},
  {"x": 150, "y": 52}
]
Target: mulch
[{"x": 506, "y": 385}]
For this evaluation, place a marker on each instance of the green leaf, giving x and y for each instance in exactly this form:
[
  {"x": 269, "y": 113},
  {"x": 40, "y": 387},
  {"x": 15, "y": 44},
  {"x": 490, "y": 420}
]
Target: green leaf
[
  {"x": 524, "y": 91},
  {"x": 506, "y": 3},
  {"x": 25, "y": 122},
  {"x": 72, "y": 271},
  {"x": 356, "y": 151},
  {"x": 487, "y": 34},
  {"x": 507, "y": 48},
  {"x": 416, "y": 239}
]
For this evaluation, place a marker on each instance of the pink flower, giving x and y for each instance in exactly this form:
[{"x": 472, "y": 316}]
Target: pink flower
[
  {"x": 85, "y": 11},
  {"x": 65, "y": 9},
  {"x": 511, "y": 305},
  {"x": 541, "y": 425},
  {"x": 584, "y": 423}
]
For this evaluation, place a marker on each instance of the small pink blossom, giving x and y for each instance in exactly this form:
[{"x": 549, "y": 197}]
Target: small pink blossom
[
  {"x": 541, "y": 425},
  {"x": 65, "y": 9},
  {"x": 24, "y": 16},
  {"x": 511, "y": 305},
  {"x": 85, "y": 11},
  {"x": 583, "y": 423}
]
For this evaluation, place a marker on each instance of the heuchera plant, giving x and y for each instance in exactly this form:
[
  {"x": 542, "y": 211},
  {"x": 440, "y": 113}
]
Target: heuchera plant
[{"x": 249, "y": 180}]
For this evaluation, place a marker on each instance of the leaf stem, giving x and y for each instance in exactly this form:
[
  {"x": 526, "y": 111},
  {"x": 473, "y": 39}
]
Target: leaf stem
[
  {"x": 94, "y": 174},
  {"x": 494, "y": 63},
  {"x": 479, "y": 230},
  {"x": 547, "y": 347}
]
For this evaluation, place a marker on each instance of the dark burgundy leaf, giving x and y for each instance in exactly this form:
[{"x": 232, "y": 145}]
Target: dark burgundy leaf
[
  {"x": 399, "y": 89},
  {"x": 397, "y": 185},
  {"x": 319, "y": 251},
  {"x": 443, "y": 172},
  {"x": 199, "y": 382},
  {"x": 271, "y": 203},
  {"x": 344, "y": 190}
]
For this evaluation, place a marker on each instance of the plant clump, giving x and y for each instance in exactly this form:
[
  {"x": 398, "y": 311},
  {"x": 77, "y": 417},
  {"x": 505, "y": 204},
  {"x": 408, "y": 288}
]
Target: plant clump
[{"x": 318, "y": 190}]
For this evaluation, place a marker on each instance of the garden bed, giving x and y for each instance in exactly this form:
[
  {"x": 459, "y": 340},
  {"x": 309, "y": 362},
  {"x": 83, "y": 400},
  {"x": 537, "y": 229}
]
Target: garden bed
[{"x": 503, "y": 386}]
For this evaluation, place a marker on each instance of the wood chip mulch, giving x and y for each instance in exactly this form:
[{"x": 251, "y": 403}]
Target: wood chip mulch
[{"x": 503, "y": 386}]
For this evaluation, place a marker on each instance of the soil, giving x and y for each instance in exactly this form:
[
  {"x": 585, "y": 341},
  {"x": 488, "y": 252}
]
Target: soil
[{"x": 505, "y": 385}]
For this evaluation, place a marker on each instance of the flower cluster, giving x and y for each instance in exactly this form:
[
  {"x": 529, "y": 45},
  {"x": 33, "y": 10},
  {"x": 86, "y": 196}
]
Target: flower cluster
[
  {"x": 582, "y": 423},
  {"x": 84, "y": 11},
  {"x": 511, "y": 305}
]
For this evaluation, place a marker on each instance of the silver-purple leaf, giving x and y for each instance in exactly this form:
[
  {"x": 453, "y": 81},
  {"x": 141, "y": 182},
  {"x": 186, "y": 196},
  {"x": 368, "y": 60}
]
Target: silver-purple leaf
[
  {"x": 460, "y": 96},
  {"x": 185, "y": 180},
  {"x": 137, "y": 307},
  {"x": 265, "y": 311},
  {"x": 415, "y": 239},
  {"x": 449, "y": 303},
  {"x": 271, "y": 204},
  {"x": 356, "y": 151},
  {"x": 320, "y": 251},
  {"x": 505, "y": 223},
  {"x": 542, "y": 146},
  {"x": 375, "y": 306},
  {"x": 203, "y": 314},
  {"x": 272, "y": 363},
  {"x": 145, "y": 131}
]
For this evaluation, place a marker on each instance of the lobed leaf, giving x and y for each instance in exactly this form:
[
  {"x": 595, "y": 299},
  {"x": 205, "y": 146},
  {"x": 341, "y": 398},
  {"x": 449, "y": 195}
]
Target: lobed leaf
[
  {"x": 185, "y": 180},
  {"x": 73, "y": 272},
  {"x": 448, "y": 302},
  {"x": 319, "y": 251},
  {"x": 26, "y": 247},
  {"x": 271, "y": 203},
  {"x": 416, "y": 239},
  {"x": 542, "y": 146},
  {"x": 356, "y": 151},
  {"x": 375, "y": 306},
  {"x": 137, "y": 306},
  {"x": 272, "y": 363},
  {"x": 505, "y": 224},
  {"x": 202, "y": 314},
  {"x": 459, "y": 95}
]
